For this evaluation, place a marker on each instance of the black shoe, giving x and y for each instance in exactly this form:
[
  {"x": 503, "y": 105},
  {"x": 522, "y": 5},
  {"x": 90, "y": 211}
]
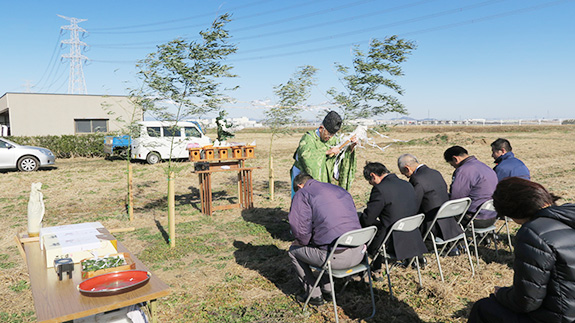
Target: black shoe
[
  {"x": 422, "y": 263},
  {"x": 327, "y": 296},
  {"x": 316, "y": 301},
  {"x": 454, "y": 252},
  {"x": 377, "y": 276},
  {"x": 487, "y": 241}
]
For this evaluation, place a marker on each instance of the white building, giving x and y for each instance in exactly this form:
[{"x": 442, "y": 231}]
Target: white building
[{"x": 40, "y": 114}]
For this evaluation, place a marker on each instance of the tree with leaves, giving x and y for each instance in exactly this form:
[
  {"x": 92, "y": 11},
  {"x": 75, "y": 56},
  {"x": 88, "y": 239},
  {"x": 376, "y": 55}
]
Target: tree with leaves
[
  {"x": 291, "y": 96},
  {"x": 363, "y": 96},
  {"x": 181, "y": 79}
]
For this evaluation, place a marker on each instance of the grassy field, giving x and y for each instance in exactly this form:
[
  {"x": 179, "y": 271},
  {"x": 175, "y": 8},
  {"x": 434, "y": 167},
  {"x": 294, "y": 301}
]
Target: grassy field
[{"x": 233, "y": 266}]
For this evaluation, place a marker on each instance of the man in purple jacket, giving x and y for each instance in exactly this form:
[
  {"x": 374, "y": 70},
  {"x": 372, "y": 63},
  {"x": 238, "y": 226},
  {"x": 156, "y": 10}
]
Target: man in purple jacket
[
  {"x": 472, "y": 179},
  {"x": 320, "y": 213}
]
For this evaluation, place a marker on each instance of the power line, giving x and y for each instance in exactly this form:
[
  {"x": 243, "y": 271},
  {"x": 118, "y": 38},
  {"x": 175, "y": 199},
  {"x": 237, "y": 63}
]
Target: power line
[
  {"x": 264, "y": 25},
  {"x": 98, "y": 30},
  {"x": 362, "y": 30},
  {"x": 421, "y": 31},
  {"x": 425, "y": 30},
  {"x": 240, "y": 18},
  {"x": 51, "y": 62}
]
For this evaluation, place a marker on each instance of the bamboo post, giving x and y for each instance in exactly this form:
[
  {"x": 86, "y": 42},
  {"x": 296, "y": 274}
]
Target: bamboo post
[
  {"x": 172, "y": 209},
  {"x": 130, "y": 192},
  {"x": 271, "y": 179}
]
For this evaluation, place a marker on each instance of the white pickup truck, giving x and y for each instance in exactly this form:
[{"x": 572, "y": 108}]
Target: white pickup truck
[{"x": 157, "y": 139}]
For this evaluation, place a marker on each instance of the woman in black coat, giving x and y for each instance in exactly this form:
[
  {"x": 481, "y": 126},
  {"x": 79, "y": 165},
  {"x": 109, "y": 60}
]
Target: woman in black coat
[{"x": 543, "y": 287}]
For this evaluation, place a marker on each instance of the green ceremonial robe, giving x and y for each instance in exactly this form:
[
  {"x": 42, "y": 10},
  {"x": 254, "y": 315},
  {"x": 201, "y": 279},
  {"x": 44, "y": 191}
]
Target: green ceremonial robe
[{"x": 310, "y": 158}]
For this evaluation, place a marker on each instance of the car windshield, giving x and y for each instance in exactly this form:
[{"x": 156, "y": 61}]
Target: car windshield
[{"x": 7, "y": 141}]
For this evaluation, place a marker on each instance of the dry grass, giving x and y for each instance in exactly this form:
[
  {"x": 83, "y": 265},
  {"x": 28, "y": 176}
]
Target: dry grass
[{"x": 233, "y": 266}]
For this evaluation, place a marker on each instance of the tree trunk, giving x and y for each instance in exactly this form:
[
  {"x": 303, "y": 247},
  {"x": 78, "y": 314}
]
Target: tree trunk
[
  {"x": 172, "y": 208},
  {"x": 272, "y": 181},
  {"x": 271, "y": 169},
  {"x": 130, "y": 192}
]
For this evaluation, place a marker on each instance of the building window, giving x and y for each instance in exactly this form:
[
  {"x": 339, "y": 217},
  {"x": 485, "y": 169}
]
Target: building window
[{"x": 91, "y": 125}]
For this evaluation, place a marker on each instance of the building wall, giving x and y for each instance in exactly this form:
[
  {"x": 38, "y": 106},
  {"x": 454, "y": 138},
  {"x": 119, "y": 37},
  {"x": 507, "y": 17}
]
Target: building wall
[{"x": 35, "y": 114}]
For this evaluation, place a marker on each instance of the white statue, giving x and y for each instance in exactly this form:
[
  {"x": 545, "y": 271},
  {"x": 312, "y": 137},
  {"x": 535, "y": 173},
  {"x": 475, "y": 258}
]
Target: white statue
[{"x": 35, "y": 210}]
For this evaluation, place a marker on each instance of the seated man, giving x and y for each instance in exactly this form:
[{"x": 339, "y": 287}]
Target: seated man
[
  {"x": 320, "y": 213},
  {"x": 472, "y": 179},
  {"x": 507, "y": 164},
  {"x": 430, "y": 194},
  {"x": 391, "y": 199}
]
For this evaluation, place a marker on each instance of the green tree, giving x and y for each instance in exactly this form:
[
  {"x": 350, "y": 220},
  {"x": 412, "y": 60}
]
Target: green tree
[
  {"x": 182, "y": 79},
  {"x": 291, "y": 96},
  {"x": 363, "y": 96}
]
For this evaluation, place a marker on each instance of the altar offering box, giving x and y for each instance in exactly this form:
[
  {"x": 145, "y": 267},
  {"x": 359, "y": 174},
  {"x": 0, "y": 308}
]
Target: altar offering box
[{"x": 77, "y": 241}]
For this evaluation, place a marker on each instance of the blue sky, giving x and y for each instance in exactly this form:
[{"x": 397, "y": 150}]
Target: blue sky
[{"x": 475, "y": 59}]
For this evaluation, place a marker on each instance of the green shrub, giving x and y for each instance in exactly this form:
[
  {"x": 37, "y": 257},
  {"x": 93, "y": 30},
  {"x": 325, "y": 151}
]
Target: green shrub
[{"x": 67, "y": 146}]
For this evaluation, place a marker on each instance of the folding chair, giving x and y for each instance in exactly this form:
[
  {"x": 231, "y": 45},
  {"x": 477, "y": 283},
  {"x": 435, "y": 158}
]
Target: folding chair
[
  {"x": 349, "y": 239},
  {"x": 407, "y": 224},
  {"x": 484, "y": 232},
  {"x": 452, "y": 208},
  {"x": 506, "y": 225}
]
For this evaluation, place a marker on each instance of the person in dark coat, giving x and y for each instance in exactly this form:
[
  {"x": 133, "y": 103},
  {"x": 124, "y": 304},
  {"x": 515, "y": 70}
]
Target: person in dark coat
[
  {"x": 391, "y": 199},
  {"x": 507, "y": 164},
  {"x": 544, "y": 266},
  {"x": 430, "y": 193}
]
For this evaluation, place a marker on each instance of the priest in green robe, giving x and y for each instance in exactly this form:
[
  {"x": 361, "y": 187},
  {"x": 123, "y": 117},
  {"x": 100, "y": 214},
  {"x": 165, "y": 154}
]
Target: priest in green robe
[{"x": 320, "y": 156}]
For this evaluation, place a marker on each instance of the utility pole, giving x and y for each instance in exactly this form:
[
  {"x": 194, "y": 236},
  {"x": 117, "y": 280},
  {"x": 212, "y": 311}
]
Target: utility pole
[{"x": 76, "y": 82}]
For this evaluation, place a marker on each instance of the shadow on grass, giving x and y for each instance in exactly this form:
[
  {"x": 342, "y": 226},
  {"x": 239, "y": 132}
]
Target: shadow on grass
[
  {"x": 192, "y": 198},
  {"x": 163, "y": 231},
  {"x": 275, "y": 220},
  {"x": 261, "y": 188},
  {"x": 274, "y": 264}
]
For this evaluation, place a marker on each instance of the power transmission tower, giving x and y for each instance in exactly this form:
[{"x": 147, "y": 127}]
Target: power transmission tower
[{"x": 76, "y": 82}]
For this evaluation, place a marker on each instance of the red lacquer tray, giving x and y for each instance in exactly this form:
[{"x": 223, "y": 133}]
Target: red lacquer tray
[{"x": 114, "y": 283}]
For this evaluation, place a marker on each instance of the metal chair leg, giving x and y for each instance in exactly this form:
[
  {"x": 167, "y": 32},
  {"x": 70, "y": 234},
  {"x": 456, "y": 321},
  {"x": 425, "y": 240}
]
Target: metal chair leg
[
  {"x": 469, "y": 256},
  {"x": 437, "y": 257},
  {"x": 418, "y": 271}
]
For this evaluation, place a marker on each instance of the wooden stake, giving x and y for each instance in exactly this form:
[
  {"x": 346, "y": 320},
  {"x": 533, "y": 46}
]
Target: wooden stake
[
  {"x": 271, "y": 179},
  {"x": 172, "y": 209},
  {"x": 130, "y": 192}
]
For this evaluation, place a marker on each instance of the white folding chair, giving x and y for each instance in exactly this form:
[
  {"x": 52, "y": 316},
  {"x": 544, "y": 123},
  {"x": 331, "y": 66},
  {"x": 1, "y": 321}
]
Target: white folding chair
[
  {"x": 452, "y": 208},
  {"x": 484, "y": 232},
  {"x": 506, "y": 225},
  {"x": 407, "y": 224},
  {"x": 349, "y": 239}
]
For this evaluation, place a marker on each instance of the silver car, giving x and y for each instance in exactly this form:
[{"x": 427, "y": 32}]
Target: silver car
[{"x": 23, "y": 158}]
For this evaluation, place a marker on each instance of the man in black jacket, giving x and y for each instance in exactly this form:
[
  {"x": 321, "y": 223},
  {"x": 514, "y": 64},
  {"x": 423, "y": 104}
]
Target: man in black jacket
[
  {"x": 391, "y": 199},
  {"x": 430, "y": 193}
]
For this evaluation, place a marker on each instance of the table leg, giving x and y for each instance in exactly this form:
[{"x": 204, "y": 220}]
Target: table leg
[
  {"x": 249, "y": 195},
  {"x": 209, "y": 193},
  {"x": 152, "y": 305},
  {"x": 201, "y": 181}
]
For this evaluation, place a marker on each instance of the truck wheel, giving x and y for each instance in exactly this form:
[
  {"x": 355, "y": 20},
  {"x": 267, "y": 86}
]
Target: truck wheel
[
  {"x": 124, "y": 153},
  {"x": 28, "y": 164},
  {"x": 153, "y": 158}
]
